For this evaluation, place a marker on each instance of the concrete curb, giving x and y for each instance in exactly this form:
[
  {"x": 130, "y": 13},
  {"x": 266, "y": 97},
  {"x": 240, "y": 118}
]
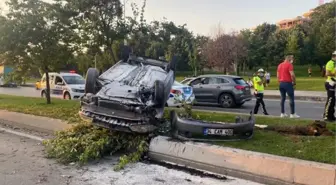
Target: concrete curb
[
  {"x": 258, "y": 167},
  {"x": 304, "y": 98}
]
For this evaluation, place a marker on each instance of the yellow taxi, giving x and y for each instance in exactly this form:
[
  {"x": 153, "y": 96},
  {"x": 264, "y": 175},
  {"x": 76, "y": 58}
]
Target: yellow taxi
[{"x": 38, "y": 85}]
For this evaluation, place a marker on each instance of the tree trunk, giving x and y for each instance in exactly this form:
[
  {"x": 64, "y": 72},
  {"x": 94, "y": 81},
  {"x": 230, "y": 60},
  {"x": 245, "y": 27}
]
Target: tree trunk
[{"x": 48, "y": 87}]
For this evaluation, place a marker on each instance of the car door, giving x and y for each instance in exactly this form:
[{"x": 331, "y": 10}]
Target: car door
[
  {"x": 43, "y": 82},
  {"x": 220, "y": 84},
  {"x": 52, "y": 85},
  {"x": 58, "y": 87},
  {"x": 207, "y": 89},
  {"x": 196, "y": 85}
]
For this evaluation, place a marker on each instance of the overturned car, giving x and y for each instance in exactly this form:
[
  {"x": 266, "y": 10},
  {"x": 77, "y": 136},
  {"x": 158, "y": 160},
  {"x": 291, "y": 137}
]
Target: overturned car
[{"x": 130, "y": 96}]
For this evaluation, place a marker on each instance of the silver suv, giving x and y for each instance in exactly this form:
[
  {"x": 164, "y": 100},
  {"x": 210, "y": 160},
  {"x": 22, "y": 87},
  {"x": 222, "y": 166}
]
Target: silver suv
[{"x": 226, "y": 90}]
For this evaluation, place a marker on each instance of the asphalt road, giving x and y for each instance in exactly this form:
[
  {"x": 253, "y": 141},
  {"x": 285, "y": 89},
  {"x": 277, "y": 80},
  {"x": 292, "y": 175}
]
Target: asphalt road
[
  {"x": 23, "y": 163},
  {"x": 306, "y": 109}
]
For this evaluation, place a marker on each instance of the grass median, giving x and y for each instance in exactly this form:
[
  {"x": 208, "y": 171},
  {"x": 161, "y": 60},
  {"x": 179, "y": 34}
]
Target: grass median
[{"x": 320, "y": 149}]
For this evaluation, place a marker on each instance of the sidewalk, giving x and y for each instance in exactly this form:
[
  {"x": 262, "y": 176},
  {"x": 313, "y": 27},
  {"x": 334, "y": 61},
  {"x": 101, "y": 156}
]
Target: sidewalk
[{"x": 299, "y": 95}]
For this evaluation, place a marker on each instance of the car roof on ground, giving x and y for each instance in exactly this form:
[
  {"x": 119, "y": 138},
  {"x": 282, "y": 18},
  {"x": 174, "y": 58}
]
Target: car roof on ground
[{"x": 219, "y": 75}]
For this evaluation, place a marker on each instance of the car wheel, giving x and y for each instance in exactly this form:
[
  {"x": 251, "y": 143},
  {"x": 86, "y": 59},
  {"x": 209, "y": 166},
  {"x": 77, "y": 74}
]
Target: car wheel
[
  {"x": 125, "y": 54},
  {"x": 172, "y": 64},
  {"x": 91, "y": 80},
  {"x": 67, "y": 96},
  {"x": 43, "y": 94},
  {"x": 226, "y": 100},
  {"x": 159, "y": 93}
]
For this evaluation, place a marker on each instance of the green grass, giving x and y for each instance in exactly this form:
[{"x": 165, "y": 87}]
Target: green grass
[
  {"x": 59, "y": 109},
  {"x": 320, "y": 149}
]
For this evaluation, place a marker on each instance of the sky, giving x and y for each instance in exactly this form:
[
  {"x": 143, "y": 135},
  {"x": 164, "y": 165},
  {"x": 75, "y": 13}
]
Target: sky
[{"x": 203, "y": 16}]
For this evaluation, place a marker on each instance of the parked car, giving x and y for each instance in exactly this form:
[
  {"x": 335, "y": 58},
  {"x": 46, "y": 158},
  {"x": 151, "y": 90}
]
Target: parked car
[
  {"x": 38, "y": 85},
  {"x": 130, "y": 96},
  {"x": 4, "y": 83},
  {"x": 63, "y": 85},
  {"x": 186, "y": 81},
  {"x": 180, "y": 93},
  {"x": 226, "y": 90}
]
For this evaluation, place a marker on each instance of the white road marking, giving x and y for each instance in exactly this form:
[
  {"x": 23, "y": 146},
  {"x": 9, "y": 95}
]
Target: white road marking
[{"x": 22, "y": 134}]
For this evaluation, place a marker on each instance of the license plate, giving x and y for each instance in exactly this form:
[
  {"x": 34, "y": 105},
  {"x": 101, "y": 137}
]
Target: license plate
[{"x": 218, "y": 132}]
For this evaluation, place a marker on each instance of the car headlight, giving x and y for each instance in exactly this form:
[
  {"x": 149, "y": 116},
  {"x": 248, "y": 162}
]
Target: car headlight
[{"x": 74, "y": 90}]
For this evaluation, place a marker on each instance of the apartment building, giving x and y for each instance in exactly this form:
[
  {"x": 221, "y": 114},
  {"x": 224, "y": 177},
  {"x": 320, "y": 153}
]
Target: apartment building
[{"x": 289, "y": 23}]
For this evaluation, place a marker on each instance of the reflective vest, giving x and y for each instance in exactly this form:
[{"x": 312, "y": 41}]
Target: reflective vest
[
  {"x": 331, "y": 68},
  {"x": 259, "y": 88}
]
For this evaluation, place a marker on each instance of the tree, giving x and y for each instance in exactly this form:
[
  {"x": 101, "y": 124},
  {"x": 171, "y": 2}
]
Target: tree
[
  {"x": 34, "y": 35},
  {"x": 224, "y": 51},
  {"x": 99, "y": 23},
  {"x": 292, "y": 45}
]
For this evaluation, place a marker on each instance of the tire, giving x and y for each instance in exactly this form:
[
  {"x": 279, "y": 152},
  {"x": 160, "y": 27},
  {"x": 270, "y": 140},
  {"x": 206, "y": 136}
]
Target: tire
[
  {"x": 226, "y": 101},
  {"x": 66, "y": 96},
  {"x": 125, "y": 54},
  {"x": 43, "y": 94},
  {"x": 159, "y": 93},
  {"x": 172, "y": 64},
  {"x": 91, "y": 80}
]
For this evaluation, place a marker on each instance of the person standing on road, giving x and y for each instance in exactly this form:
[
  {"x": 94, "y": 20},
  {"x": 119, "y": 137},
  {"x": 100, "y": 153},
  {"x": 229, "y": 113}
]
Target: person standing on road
[
  {"x": 268, "y": 78},
  {"x": 309, "y": 71},
  {"x": 287, "y": 82},
  {"x": 258, "y": 84},
  {"x": 329, "y": 110}
]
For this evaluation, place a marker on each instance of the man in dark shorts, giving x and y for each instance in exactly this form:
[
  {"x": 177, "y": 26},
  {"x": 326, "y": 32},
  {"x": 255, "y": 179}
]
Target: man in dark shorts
[{"x": 287, "y": 82}]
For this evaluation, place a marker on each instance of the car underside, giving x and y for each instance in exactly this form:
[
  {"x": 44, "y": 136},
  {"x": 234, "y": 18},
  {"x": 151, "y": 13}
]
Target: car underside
[{"x": 130, "y": 96}]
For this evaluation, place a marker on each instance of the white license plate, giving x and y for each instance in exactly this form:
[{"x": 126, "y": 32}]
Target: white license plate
[{"x": 218, "y": 132}]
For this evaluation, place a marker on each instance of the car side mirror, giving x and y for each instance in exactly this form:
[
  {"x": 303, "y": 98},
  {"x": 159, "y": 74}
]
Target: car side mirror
[{"x": 59, "y": 83}]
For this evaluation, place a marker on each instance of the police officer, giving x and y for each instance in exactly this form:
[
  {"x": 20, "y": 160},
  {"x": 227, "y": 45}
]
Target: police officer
[
  {"x": 330, "y": 83},
  {"x": 258, "y": 83}
]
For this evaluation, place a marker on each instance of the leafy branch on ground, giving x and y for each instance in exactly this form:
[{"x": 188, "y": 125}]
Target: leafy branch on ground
[{"x": 84, "y": 143}]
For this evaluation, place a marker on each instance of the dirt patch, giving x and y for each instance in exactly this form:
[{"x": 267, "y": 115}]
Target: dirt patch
[{"x": 317, "y": 128}]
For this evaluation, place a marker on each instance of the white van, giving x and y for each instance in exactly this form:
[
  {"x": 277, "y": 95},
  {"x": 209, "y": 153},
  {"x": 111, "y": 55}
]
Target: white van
[{"x": 64, "y": 85}]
